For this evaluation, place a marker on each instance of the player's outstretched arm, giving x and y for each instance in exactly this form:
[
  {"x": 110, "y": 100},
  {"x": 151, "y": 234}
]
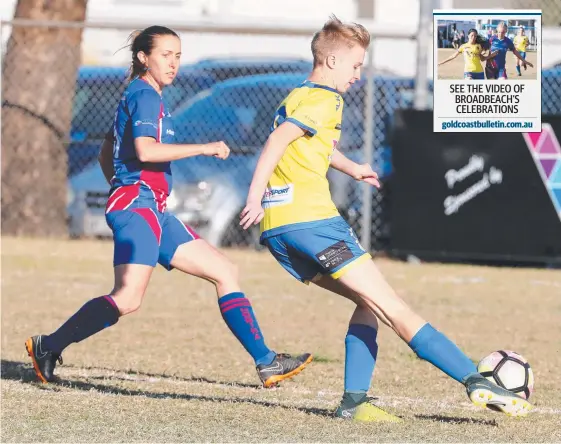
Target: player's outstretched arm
[
  {"x": 519, "y": 57},
  {"x": 274, "y": 148},
  {"x": 105, "y": 157},
  {"x": 488, "y": 56},
  {"x": 148, "y": 150},
  {"x": 362, "y": 172},
  {"x": 452, "y": 57}
]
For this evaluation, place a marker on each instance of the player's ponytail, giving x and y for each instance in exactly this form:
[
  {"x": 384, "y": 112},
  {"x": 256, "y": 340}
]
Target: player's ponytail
[
  {"x": 136, "y": 66},
  {"x": 484, "y": 42},
  {"x": 143, "y": 40}
]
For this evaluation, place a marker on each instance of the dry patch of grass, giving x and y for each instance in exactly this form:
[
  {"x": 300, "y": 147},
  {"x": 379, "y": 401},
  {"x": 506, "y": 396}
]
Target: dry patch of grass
[{"x": 174, "y": 373}]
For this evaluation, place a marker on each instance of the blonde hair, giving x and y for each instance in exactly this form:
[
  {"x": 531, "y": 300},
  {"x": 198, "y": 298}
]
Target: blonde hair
[
  {"x": 502, "y": 25},
  {"x": 335, "y": 33}
]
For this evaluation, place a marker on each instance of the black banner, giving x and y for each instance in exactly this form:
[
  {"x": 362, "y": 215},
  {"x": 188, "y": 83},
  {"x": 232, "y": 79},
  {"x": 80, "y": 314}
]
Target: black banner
[{"x": 474, "y": 196}]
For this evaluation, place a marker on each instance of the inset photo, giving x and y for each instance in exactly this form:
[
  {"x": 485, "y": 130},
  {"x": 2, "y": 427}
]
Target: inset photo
[{"x": 487, "y": 48}]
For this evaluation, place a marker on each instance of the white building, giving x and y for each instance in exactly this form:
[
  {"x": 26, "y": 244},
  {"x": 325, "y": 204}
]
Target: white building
[{"x": 390, "y": 54}]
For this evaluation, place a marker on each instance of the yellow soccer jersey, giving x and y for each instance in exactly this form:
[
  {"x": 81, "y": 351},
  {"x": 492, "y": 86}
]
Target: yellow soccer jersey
[
  {"x": 472, "y": 60},
  {"x": 521, "y": 42},
  {"x": 298, "y": 190}
]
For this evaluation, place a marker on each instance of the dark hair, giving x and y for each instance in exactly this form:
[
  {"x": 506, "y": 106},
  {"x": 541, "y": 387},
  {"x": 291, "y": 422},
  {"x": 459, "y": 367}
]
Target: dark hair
[
  {"x": 144, "y": 41},
  {"x": 479, "y": 40}
]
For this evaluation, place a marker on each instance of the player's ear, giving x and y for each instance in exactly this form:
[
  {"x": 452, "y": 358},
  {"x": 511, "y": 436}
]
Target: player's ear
[
  {"x": 331, "y": 61},
  {"x": 142, "y": 57}
]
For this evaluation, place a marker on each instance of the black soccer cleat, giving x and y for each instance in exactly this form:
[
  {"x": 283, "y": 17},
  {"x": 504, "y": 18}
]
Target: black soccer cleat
[
  {"x": 284, "y": 366},
  {"x": 44, "y": 361}
]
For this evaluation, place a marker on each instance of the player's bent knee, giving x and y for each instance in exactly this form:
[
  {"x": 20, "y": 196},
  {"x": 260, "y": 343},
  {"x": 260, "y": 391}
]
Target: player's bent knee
[
  {"x": 128, "y": 300},
  {"x": 128, "y": 306},
  {"x": 227, "y": 273}
]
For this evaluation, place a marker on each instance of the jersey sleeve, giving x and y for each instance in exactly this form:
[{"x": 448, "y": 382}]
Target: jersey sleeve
[
  {"x": 313, "y": 112},
  {"x": 510, "y": 45},
  {"x": 144, "y": 108},
  {"x": 461, "y": 48}
]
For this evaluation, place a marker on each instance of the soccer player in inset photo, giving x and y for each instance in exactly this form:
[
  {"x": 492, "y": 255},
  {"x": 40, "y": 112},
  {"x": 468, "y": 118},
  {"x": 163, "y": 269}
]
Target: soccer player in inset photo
[
  {"x": 474, "y": 53},
  {"x": 521, "y": 43},
  {"x": 496, "y": 67}
]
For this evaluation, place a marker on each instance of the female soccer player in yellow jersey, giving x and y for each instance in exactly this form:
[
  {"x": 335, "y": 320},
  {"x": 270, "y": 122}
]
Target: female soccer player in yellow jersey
[
  {"x": 473, "y": 55},
  {"x": 302, "y": 228},
  {"x": 521, "y": 43}
]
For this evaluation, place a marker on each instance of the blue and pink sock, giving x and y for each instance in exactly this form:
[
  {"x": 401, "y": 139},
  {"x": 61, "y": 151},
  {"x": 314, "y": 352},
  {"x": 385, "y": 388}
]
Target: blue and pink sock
[{"x": 239, "y": 317}]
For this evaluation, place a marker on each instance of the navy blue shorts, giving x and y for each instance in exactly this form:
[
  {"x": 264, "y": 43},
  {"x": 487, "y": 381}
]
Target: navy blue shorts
[
  {"x": 496, "y": 73},
  {"x": 146, "y": 236},
  {"x": 474, "y": 75},
  {"x": 328, "y": 247}
]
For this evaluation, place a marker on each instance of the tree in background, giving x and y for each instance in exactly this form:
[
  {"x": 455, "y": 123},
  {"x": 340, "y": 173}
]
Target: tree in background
[{"x": 39, "y": 74}]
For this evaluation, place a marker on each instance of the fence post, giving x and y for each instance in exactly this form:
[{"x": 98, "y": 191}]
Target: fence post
[
  {"x": 423, "y": 44},
  {"x": 369, "y": 115}
]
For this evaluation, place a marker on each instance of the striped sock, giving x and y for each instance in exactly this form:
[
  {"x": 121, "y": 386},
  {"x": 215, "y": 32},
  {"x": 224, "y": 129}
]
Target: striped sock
[
  {"x": 94, "y": 316},
  {"x": 239, "y": 317}
]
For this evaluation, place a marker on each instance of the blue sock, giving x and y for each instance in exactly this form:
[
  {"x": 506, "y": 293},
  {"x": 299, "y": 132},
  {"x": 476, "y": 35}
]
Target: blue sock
[
  {"x": 434, "y": 347},
  {"x": 361, "y": 351},
  {"x": 94, "y": 316},
  {"x": 240, "y": 319},
  {"x": 518, "y": 68}
]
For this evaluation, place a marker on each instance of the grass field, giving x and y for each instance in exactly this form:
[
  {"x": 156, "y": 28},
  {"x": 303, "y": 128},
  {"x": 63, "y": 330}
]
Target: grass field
[
  {"x": 455, "y": 68},
  {"x": 173, "y": 372}
]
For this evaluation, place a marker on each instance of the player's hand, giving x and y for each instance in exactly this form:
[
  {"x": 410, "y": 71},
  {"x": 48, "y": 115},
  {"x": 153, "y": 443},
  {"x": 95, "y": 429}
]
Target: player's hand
[
  {"x": 364, "y": 173},
  {"x": 529, "y": 64},
  {"x": 251, "y": 214},
  {"x": 217, "y": 149}
]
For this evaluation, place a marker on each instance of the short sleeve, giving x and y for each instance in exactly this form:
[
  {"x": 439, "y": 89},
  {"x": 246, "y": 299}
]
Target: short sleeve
[
  {"x": 313, "y": 112},
  {"x": 510, "y": 45},
  {"x": 461, "y": 49},
  {"x": 110, "y": 134},
  {"x": 144, "y": 108}
]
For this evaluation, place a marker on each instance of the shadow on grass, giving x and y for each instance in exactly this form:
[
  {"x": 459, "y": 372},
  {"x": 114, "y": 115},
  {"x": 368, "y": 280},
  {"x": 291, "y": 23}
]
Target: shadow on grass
[
  {"x": 23, "y": 372},
  {"x": 26, "y": 374},
  {"x": 456, "y": 420}
]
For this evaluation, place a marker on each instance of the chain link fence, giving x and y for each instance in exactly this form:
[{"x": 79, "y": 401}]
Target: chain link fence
[
  {"x": 222, "y": 98},
  {"x": 551, "y": 9}
]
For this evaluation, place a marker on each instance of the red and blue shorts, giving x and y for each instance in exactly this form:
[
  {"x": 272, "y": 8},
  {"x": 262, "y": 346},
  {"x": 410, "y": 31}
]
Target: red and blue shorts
[{"x": 146, "y": 236}]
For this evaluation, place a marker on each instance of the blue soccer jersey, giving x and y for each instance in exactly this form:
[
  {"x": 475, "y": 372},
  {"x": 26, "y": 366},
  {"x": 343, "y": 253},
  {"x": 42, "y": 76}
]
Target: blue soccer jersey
[
  {"x": 141, "y": 113},
  {"x": 502, "y": 46}
]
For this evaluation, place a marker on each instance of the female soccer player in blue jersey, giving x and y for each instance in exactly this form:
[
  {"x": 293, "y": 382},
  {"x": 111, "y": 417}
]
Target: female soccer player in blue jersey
[
  {"x": 501, "y": 44},
  {"x": 302, "y": 228},
  {"x": 136, "y": 159}
]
